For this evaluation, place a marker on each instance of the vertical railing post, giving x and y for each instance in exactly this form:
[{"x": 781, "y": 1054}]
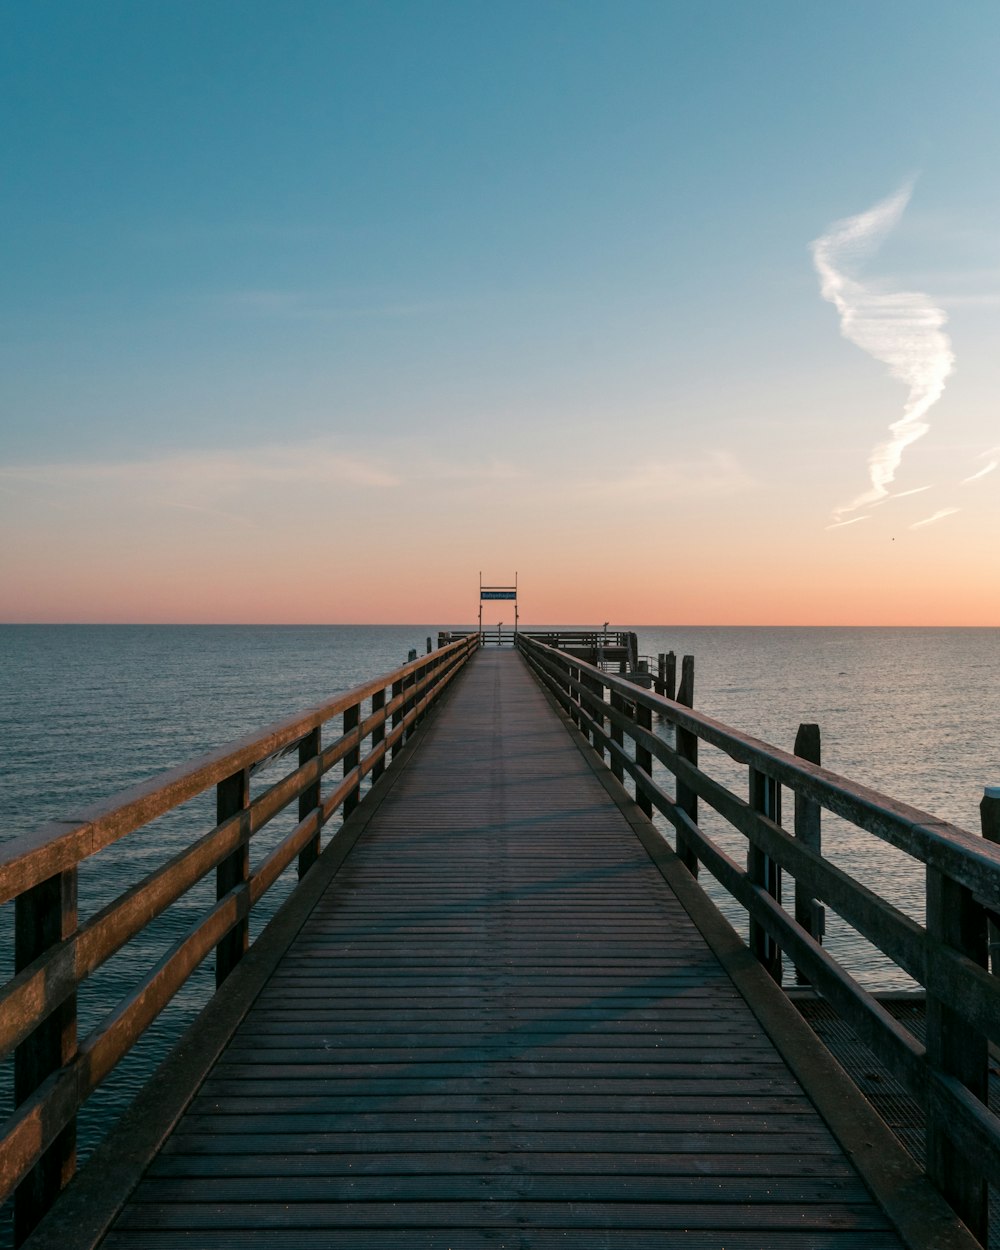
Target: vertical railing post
[
  {"x": 574, "y": 675},
  {"x": 44, "y": 915},
  {"x": 352, "y": 718},
  {"x": 643, "y": 757},
  {"x": 989, "y": 818},
  {"x": 397, "y": 716},
  {"x": 765, "y": 797},
  {"x": 420, "y": 675},
  {"x": 596, "y": 688},
  {"x": 378, "y": 734},
  {"x": 617, "y": 734},
  {"x": 309, "y": 799},
  {"x": 687, "y": 749},
  {"x": 808, "y": 830},
  {"x": 409, "y": 682},
  {"x": 955, "y": 919},
  {"x": 563, "y": 680},
  {"x": 232, "y": 797}
]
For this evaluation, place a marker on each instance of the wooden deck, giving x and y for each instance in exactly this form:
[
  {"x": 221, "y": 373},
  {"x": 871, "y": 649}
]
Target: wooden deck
[{"x": 500, "y": 1028}]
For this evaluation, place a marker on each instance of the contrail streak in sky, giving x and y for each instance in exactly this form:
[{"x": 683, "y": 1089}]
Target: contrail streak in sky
[
  {"x": 836, "y": 525},
  {"x": 903, "y": 329},
  {"x": 992, "y": 464},
  {"x": 936, "y": 516}
]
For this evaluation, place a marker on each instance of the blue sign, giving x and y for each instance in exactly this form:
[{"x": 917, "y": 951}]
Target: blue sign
[{"x": 498, "y": 594}]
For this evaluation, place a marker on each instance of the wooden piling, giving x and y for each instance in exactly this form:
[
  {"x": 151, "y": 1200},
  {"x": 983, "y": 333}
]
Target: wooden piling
[{"x": 666, "y": 674}]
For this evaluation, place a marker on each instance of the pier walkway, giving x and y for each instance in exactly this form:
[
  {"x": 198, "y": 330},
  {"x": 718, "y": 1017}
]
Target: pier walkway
[{"x": 499, "y": 1027}]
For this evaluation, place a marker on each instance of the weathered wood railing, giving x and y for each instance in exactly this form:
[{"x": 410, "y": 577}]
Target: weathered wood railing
[
  {"x": 54, "y": 1073},
  {"x": 947, "y": 955}
]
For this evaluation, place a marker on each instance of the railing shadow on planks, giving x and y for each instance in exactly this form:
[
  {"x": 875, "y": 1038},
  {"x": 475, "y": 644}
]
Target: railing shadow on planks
[
  {"x": 948, "y": 955},
  {"x": 54, "y": 1072}
]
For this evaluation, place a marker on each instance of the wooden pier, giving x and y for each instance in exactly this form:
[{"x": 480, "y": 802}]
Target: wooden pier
[{"x": 498, "y": 1011}]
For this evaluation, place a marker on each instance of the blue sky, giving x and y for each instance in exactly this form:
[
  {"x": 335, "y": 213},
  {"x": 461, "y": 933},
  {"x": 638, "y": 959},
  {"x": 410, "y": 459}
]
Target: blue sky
[{"x": 499, "y": 283}]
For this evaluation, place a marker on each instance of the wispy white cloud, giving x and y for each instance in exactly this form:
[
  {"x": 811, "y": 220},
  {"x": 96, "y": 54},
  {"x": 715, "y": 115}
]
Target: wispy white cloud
[
  {"x": 229, "y": 516},
  {"x": 992, "y": 458},
  {"x": 716, "y": 475},
  {"x": 902, "y": 329},
  {"x": 302, "y": 463},
  {"x": 905, "y": 494},
  {"x": 898, "y": 494},
  {"x": 439, "y": 470},
  {"x": 839, "y": 525},
  {"x": 935, "y": 516}
]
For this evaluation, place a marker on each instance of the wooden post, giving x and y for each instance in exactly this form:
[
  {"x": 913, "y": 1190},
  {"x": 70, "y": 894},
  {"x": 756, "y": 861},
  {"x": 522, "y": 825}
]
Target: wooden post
[
  {"x": 617, "y": 734},
  {"x": 808, "y": 913},
  {"x": 593, "y": 707},
  {"x": 660, "y": 685},
  {"x": 232, "y": 796},
  {"x": 989, "y": 817},
  {"x": 397, "y": 716},
  {"x": 415, "y": 680},
  {"x": 643, "y": 757},
  {"x": 309, "y": 800},
  {"x": 411, "y": 702},
  {"x": 765, "y": 797},
  {"x": 44, "y": 915},
  {"x": 378, "y": 734},
  {"x": 955, "y": 919},
  {"x": 562, "y": 680},
  {"x": 352, "y": 717},
  {"x": 687, "y": 749}
]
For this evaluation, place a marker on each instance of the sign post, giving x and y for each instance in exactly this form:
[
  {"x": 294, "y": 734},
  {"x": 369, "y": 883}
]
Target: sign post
[{"x": 491, "y": 594}]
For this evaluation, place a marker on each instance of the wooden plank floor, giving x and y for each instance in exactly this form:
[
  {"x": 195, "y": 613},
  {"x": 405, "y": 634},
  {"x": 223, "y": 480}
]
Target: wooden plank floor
[{"x": 499, "y": 1028}]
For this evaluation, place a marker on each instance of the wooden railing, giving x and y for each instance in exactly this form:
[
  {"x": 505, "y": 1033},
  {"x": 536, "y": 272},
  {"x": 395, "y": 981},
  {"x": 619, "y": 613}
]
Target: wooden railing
[
  {"x": 54, "y": 1072},
  {"x": 947, "y": 955}
]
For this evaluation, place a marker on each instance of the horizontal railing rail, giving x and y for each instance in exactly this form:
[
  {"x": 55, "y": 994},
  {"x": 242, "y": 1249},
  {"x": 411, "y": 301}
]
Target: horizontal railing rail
[
  {"x": 54, "y": 1072},
  {"x": 948, "y": 954}
]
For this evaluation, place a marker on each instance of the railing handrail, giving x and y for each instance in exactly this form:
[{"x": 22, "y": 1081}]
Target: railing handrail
[
  {"x": 963, "y": 855},
  {"x": 59, "y": 844}
]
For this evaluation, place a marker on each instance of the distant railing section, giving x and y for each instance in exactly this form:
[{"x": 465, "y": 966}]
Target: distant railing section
[
  {"x": 947, "y": 955},
  {"x": 55, "y": 951},
  {"x": 613, "y": 649}
]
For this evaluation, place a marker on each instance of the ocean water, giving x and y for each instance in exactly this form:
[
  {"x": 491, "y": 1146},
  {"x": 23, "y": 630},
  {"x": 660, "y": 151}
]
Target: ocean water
[{"x": 87, "y": 711}]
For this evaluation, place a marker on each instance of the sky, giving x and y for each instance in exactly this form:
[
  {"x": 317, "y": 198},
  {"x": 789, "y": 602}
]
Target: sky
[{"x": 687, "y": 313}]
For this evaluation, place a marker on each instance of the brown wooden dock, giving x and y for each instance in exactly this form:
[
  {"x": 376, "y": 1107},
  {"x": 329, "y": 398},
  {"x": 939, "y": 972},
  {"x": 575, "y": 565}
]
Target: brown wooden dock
[{"x": 500, "y": 1027}]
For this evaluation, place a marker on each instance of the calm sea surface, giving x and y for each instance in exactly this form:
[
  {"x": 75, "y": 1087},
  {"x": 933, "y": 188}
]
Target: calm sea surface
[{"x": 90, "y": 710}]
